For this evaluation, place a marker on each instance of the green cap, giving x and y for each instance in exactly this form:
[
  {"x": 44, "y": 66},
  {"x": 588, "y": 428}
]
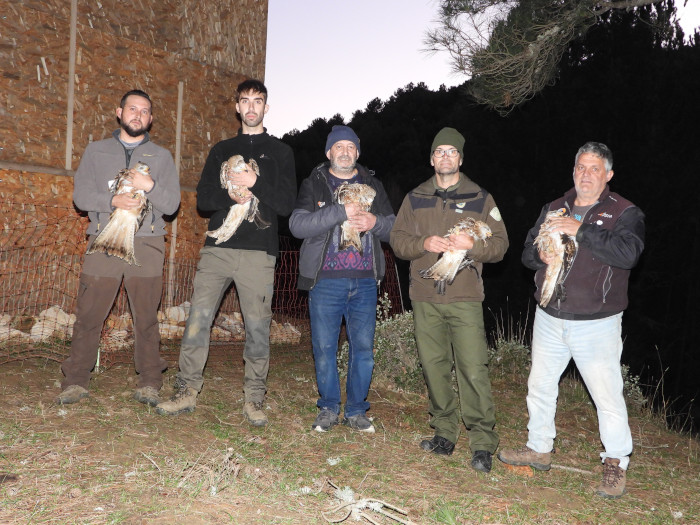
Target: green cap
[{"x": 449, "y": 137}]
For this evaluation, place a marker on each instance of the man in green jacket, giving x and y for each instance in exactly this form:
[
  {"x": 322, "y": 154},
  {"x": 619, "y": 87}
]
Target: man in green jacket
[{"x": 449, "y": 326}]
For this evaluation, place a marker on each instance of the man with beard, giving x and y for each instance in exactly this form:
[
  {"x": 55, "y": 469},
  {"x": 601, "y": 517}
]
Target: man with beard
[
  {"x": 247, "y": 259},
  {"x": 102, "y": 274},
  {"x": 342, "y": 281},
  {"x": 449, "y": 326}
]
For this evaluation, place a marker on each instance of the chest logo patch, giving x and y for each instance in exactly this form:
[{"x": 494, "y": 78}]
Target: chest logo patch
[{"x": 321, "y": 204}]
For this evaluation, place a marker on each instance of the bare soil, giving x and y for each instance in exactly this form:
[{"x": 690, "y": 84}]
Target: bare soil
[{"x": 109, "y": 459}]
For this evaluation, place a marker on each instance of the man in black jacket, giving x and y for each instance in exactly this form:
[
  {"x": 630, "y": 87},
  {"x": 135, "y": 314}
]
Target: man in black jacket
[
  {"x": 582, "y": 320},
  {"x": 342, "y": 277},
  {"x": 247, "y": 258}
]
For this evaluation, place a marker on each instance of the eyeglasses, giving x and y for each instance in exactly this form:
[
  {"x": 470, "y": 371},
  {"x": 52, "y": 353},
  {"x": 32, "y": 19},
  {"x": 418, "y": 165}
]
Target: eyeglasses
[{"x": 442, "y": 152}]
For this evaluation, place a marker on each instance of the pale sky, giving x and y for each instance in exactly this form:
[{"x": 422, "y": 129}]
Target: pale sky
[{"x": 330, "y": 56}]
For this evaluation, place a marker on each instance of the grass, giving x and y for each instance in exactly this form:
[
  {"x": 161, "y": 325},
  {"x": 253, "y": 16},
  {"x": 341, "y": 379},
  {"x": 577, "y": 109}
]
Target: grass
[{"x": 109, "y": 459}]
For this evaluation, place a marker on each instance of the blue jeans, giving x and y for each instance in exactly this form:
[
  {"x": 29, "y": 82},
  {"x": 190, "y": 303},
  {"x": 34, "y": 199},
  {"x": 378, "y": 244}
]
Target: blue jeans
[
  {"x": 329, "y": 301},
  {"x": 596, "y": 347}
]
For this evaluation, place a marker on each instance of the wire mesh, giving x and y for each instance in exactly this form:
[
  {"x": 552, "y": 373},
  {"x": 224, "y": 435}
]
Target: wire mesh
[{"x": 42, "y": 247}]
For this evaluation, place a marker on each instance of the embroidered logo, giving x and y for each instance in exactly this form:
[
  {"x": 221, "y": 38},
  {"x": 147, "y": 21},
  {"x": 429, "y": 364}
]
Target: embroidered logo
[
  {"x": 495, "y": 214},
  {"x": 461, "y": 205},
  {"x": 321, "y": 204},
  {"x": 606, "y": 215}
]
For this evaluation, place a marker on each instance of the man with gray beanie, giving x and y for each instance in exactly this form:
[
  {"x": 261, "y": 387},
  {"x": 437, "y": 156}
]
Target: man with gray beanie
[
  {"x": 448, "y": 319},
  {"x": 342, "y": 275}
]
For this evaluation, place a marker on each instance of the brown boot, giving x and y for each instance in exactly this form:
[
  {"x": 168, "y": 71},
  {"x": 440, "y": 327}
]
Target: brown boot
[
  {"x": 614, "y": 479},
  {"x": 526, "y": 457},
  {"x": 253, "y": 412},
  {"x": 184, "y": 400}
]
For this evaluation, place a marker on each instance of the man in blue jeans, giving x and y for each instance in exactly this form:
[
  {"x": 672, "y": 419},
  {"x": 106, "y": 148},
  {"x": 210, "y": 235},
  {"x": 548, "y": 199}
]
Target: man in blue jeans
[
  {"x": 583, "y": 319},
  {"x": 342, "y": 281}
]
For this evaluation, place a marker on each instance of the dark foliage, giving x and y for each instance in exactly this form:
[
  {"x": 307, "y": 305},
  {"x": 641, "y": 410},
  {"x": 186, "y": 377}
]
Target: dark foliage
[{"x": 627, "y": 85}]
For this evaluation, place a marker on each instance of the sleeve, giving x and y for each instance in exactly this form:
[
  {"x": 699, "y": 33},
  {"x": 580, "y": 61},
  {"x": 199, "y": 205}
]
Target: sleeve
[
  {"x": 531, "y": 255},
  {"x": 307, "y": 221},
  {"x": 494, "y": 248},
  {"x": 210, "y": 195},
  {"x": 383, "y": 212},
  {"x": 165, "y": 194},
  {"x": 406, "y": 239},
  {"x": 620, "y": 247},
  {"x": 87, "y": 196},
  {"x": 278, "y": 191}
]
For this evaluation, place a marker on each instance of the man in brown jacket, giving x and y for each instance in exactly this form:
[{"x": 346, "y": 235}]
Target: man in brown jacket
[{"x": 449, "y": 326}]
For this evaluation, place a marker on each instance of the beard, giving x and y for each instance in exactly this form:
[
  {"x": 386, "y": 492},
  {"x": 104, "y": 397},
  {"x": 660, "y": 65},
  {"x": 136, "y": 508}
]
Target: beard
[
  {"x": 337, "y": 168},
  {"x": 135, "y": 132}
]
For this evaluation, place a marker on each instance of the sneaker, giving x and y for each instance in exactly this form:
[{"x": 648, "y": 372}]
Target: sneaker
[
  {"x": 526, "y": 457},
  {"x": 71, "y": 394},
  {"x": 359, "y": 422},
  {"x": 325, "y": 419},
  {"x": 614, "y": 479},
  {"x": 438, "y": 445},
  {"x": 252, "y": 410},
  {"x": 147, "y": 395},
  {"x": 184, "y": 400}
]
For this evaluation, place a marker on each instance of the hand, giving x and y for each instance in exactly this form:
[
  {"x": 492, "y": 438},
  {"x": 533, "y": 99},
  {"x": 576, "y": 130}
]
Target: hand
[
  {"x": 567, "y": 225},
  {"x": 363, "y": 221},
  {"x": 127, "y": 201},
  {"x": 461, "y": 241},
  {"x": 241, "y": 196},
  {"x": 140, "y": 181},
  {"x": 245, "y": 178},
  {"x": 546, "y": 258},
  {"x": 436, "y": 244}
]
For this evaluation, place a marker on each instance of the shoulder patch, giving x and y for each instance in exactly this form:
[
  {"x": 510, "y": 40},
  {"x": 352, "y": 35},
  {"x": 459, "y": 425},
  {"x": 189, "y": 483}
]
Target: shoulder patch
[{"x": 495, "y": 214}]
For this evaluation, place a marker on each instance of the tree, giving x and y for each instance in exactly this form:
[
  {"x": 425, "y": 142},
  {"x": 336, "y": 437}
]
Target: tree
[{"x": 511, "y": 49}]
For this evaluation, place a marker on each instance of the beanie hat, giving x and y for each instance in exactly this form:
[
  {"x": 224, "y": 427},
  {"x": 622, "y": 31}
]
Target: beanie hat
[
  {"x": 449, "y": 137},
  {"x": 342, "y": 133}
]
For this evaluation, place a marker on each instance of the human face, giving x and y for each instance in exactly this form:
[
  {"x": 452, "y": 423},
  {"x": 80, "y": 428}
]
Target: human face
[
  {"x": 135, "y": 117},
  {"x": 343, "y": 156},
  {"x": 445, "y": 166},
  {"x": 251, "y": 107},
  {"x": 590, "y": 178}
]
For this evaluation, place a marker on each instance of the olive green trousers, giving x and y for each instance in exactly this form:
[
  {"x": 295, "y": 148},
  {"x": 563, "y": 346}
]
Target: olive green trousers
[{"x": 452, "y": 336}]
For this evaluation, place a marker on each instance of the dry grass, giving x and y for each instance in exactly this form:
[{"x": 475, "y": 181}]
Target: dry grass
[{"x": 112, "y": 460}]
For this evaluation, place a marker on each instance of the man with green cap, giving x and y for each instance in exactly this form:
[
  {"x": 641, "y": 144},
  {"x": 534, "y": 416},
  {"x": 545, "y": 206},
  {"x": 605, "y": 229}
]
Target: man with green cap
[{"x": 448, "y": 315}]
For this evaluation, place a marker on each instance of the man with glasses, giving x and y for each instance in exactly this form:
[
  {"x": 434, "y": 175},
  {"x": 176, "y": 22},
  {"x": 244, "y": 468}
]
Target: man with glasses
[{"x": 449, "y": 326}]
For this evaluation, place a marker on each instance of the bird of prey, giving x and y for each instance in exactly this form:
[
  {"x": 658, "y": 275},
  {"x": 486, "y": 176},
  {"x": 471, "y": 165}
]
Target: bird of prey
[
  {"x": 238, "y": 212},
  {"x": 452, "y": 261},
  {"x": 358, "y": 194},
  {"x": 117, "y": 238},
  {"x": 563, "y": 247}
]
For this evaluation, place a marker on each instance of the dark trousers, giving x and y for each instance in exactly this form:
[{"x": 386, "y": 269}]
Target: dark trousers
[{"x": 99, "y": 283}]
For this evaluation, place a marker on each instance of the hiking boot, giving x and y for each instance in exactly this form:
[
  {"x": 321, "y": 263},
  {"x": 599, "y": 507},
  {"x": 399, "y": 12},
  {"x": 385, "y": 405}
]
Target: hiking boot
[
  {"x": 526, "y": 457},
  {"x": 614, "y": 479},
  {"x": 147, "y": 395},
  {"x": 438, "y": 445},
  {"x": 359, "y": 422},
  {"x": 325, "y": 419},
  {"x": 184, "y": 400},
  {"x": 72, "y": 394},
  {"x": 481, "y": 461},
  {"x": 252, "y": 410}
]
